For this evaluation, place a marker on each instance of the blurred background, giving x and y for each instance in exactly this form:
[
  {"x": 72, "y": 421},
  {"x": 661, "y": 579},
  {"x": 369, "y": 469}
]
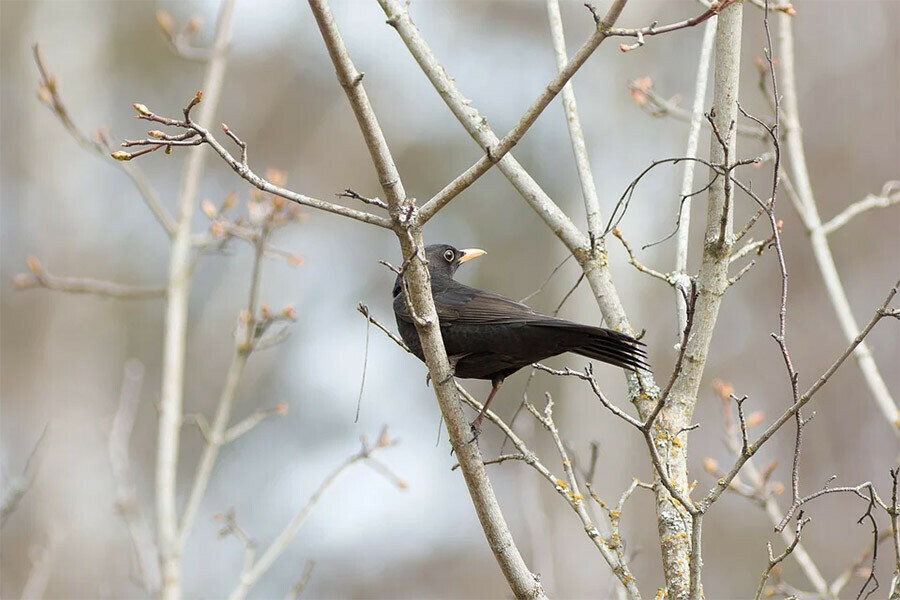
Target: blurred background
[{"x": 63, "y": 356}]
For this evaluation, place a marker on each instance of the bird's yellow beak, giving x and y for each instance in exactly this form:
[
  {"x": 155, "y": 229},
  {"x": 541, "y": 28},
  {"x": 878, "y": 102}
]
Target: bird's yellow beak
[{"x": 470, "y": 253}]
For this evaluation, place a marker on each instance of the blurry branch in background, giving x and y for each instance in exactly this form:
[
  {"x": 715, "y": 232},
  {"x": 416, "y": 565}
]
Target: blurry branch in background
[
  {"x": 298, "y": 587},
  {"x": 889, "y": 196},
  {"x": 41, "y": 557},
  {"x": 127, "y": 501},
  {"x": 175, "y": 335},
  {"x": 16, "y": 487},
  {"x": 48, "y": 94},
  {"x": 656, "y": 105},
  {"x": 256, "y": 568},
  {"x": 800, "y": 192},
  {"x": 180, "y": 41},
  {"x": 265, "y": 215},
  {"x": 39, "y": 277}
]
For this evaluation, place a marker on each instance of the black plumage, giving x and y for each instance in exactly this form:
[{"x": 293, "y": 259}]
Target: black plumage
[{"x": 487, "y": 336}]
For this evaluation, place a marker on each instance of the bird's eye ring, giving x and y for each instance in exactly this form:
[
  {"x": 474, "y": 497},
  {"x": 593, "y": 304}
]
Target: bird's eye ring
[{"x": 449, "y": 256}]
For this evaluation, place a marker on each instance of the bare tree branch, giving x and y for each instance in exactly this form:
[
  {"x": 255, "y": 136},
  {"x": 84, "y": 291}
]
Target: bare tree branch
[
  {"x": 175, "y": 336},
  {"x": 805, "y": 203},
  {"x": 256, "y": 569},
  {"x": 49, "y": 95},
  {"x": 889, "y": 196},
  {"x": 127, "y": 501},
  {"x": 723, "y": 482},
  {"x": 18, "y": 486},
  {"x": 250, "y": 330},
  {"x": 775, "y": 560},
  {"x": 497, "y": 149},
  {"x": 416, "y": 281},
  {"x": 654, "y": 29},
  {"x": 40, "y": 277},
  {"x": 240, "y": 166}
]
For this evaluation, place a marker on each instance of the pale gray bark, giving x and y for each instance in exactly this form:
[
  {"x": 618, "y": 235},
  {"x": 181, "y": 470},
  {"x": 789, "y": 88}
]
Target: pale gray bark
[{"x": 178, "y": 292}]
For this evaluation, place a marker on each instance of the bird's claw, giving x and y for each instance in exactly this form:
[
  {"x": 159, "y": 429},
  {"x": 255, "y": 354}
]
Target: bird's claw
[{"x": 476, "y": 430}]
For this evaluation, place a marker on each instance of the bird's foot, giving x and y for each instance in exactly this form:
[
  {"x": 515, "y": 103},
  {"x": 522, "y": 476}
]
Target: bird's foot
[
  {"x": 476, "y": 428},
  {"x": 453, "y": 360}
]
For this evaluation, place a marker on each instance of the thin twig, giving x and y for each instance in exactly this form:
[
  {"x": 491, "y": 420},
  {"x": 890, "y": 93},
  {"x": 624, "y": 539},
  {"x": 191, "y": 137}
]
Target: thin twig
[
  {"x": 889, "y": 196},
  {"x": 17, "y": 487},
  {"x": 775, "y": 560},
  {"x": 40, "y": 277}
]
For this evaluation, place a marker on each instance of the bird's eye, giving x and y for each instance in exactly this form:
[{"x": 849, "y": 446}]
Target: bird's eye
[{"x": 449, "y": 255}]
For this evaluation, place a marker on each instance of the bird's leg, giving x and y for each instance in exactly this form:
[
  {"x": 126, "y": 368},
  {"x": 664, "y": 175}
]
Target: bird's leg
[{"x": 476, "y": 424}]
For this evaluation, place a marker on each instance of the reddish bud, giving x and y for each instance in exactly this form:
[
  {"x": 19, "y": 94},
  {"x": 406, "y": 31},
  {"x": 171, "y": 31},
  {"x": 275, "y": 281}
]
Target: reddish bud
[
  {"x": 755, "y": 418},
  {"x": 264, "y": 310},
  {"x": 34, "y": 265},
  {"x": 289, "y": 312},
  {"x": 723, "y": 389},
  {"x": 638, "y": 90},
  {"x": 193, "y": 26},
  {"x": 281, "y": 409},
  {"x": 778, "y": 488},
  {"x": 165, "y": 22},
  {"x": 208, "y": 208},
  {"x": 23, "y": 281},
  {"x": 276, "y": 176},
  {"x": 295, "y": 260},
  {"x": 44, "y": 95},
  {"x": 710, "y": 465},
  {"x": 217, "y": 229},
  {"x": 156, "y": 134}
]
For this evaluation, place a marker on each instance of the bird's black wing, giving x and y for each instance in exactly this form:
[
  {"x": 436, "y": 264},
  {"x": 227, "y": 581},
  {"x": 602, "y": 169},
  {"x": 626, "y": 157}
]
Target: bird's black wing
[
  {"x": 458, "y": 303},
  {"x": 468, "y": 306}
]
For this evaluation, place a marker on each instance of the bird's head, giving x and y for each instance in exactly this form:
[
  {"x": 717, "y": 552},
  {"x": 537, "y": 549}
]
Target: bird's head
[{"x": 444, "y": 259}]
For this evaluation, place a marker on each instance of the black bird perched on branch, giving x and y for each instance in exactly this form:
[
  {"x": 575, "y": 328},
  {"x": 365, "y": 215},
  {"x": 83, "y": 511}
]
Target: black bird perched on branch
[{"x": 487, "y": 336}]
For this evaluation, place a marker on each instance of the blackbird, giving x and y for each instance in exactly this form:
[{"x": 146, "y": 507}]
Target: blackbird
[{"x": 487, "y": 336}]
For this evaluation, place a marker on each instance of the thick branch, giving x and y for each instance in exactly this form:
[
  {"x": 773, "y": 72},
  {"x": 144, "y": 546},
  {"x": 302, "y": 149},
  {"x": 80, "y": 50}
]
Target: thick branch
[
  {"x": 416, "y": 278},
  {"x": 573, "y": 123},
  {"x": 499, "y": 149}
]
